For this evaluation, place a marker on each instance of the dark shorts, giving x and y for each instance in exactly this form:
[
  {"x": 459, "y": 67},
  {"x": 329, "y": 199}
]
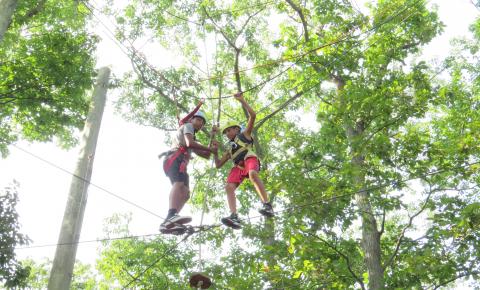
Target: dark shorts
[{"x": 174, "y": 171}]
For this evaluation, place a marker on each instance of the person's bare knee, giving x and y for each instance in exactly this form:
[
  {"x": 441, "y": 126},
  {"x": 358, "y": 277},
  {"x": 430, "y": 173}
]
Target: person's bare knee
[
  {"x": 252, "y": 174},
  {"x": 230, "y": 187}
]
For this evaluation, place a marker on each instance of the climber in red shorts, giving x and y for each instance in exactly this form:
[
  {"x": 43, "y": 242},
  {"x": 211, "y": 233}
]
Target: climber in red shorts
[{"x": 246, "y": 164}]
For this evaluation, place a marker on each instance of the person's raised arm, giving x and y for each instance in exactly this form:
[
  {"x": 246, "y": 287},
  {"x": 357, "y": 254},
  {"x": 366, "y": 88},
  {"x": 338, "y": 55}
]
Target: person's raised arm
[{"x": 251, "y": 115}]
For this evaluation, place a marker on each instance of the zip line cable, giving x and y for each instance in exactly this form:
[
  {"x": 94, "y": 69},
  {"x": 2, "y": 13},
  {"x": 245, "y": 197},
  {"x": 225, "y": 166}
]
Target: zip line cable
[
  {"x": 87, "y": 181},
  {"x": 194, "y": 229},
  {"x": 171, "y": 249},
  {"x": 200, "y": 229},
  {"x": 204, "y": 207},
  {"x": 310, "y": 203},
  {"x": 81, "y": 242}
]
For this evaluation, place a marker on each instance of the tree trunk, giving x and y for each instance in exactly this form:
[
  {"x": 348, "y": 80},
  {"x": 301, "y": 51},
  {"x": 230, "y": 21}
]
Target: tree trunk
[
  {"x": 7, "y": 7},
  {"x": 62, "y": 268},
  {"x": 370, "y": 235}
]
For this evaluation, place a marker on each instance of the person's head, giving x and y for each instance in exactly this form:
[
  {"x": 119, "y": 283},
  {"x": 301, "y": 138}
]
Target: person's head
[
  {"x": 198, "y": 120},
  {"x": 231, "y": 130}
]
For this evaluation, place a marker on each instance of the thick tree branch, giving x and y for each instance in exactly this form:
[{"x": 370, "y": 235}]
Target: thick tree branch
[
  {"x": 144, "y": 79},
  {"x": 236, "y": 65},
  {"x": 280, "y": 108},
  {"x": 382, "y": 229},
  {"x": 35, "y": 10},
  {"x": 302, "y": 18},
  {"x": 454, "y": 279}
]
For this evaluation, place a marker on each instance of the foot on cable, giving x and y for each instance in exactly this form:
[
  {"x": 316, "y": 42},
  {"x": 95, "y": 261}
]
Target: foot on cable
[
  {"x": 175, "y": 230},
  {"x": 267, "y": 210},
  {"x": 232, "y": 221},
  {"x": 175, "y": 221}
]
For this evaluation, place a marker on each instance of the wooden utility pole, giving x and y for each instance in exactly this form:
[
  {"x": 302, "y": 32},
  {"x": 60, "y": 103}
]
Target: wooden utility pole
[
  {"x": 62, "y": 269},
  {"x": 7, "y": 7}
]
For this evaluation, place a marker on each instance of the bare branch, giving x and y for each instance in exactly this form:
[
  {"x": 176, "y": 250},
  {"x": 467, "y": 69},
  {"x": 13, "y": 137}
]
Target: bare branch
[
  {"x": 219, "y": 29},
  {"x": 345, "y": 257},
  {"x": 402, "y": 234}
]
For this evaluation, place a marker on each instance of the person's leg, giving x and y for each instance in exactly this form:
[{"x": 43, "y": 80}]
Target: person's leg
[
  {"x": 177, "y": 196},
  {"x": 233, "y": 180},
  {"x": 252, "y": 166},
  {"x": 231, "y": 197},
  {"x": 184, "y": 197},
  {"x": 258, "y": 184}
]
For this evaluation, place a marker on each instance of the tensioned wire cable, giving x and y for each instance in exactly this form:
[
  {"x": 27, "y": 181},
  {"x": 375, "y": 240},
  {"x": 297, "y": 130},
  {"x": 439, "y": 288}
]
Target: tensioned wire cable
[
  {"x": 294, "y": 207},
  {"x": 310, "y": 203},
  {"x": 87, "y": 181},
  {"x": 354, "y": 192}
]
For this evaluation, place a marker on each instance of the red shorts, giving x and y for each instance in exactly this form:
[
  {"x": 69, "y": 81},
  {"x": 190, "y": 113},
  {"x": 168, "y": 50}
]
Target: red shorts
[{"x": 237, "y": 174}]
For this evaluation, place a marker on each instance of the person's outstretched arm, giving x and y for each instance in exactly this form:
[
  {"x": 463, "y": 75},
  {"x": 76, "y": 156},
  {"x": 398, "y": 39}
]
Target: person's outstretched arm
[{"x": 251, "y": 115}]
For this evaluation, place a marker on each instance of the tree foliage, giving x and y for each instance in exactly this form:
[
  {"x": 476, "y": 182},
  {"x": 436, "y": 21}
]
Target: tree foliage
[
  {"x": 379, "y": 189},
  {"x": 84, "y": 277},
  {"x": 369, "y": 152},
  {"x": 46, "y": 66},
  {"x": 12, "y": 273}
]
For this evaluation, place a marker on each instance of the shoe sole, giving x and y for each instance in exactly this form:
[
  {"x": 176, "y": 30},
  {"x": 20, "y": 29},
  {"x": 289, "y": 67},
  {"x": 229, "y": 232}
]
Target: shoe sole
[
  {"x": 266, "y": 213},
  {"x": 174, "y": 231},
  {"x": 178, "y": 222},
  {"x": 230, "y": 224}
]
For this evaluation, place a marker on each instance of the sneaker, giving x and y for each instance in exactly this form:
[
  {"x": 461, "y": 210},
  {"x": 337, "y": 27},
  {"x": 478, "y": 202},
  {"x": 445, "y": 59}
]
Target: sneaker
[
  {"x": 175, "y": 230},
  {"x": 232, "y": 221},
  {"x": 267, "y": 210},
  {"x": 176, "y": 220}
]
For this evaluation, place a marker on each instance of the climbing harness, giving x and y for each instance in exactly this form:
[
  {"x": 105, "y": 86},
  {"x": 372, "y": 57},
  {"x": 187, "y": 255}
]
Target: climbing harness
[
  {"x": 172, "y": 156},
  {"x": 241, "y": 148}
]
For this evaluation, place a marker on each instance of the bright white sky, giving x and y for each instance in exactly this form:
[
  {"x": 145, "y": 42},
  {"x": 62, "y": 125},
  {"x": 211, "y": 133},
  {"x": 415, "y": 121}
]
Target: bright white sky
[{"x": 126, "y": 160}]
